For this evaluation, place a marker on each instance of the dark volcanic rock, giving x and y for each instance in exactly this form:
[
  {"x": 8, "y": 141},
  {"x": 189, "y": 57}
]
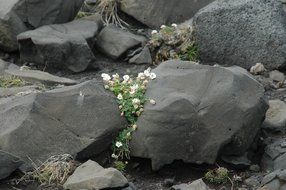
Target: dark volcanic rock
[
  {"x": 201, "y": 112},
  {"x": 16, "y": 16},
  {"x": 80, "y": 120},
  {"x": 62, "y": 45},
  {"x": 155, "y": 13},
  {"x": 242, "y": 32}
]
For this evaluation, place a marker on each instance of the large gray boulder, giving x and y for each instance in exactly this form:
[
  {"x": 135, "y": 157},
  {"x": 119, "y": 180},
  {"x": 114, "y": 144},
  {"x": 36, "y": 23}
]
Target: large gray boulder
[
  {"x": 61, "y": 45},
  {"x": 155, "y": 13},
  {"x": 16, "y": 16},
  {"x": 80, "y": 120},
  {"x": 242, "y": 32},
  {"x": 90, "y": 175},
  {"x": 201, "y": 112}
]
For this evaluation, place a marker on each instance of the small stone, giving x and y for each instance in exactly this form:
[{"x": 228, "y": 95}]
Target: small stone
[
  {"x": 277, "y": 76},
  {"x": 258, "y": 68}
]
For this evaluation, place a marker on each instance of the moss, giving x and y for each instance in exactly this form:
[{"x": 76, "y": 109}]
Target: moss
[
  {"x": 11, "y": 81},
  {"x": 217, "y": 176}
]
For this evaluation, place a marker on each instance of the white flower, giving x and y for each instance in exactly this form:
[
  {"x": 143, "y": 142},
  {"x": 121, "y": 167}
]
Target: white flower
[
  {"x": 118, "y": 144},
  {"x": 105, "y": 77},
  {"x": 126, "y": 77},
  {"x": 174, "y": 25},
  {"x": 134, "y": 127},
  {"x": 141, "y": 76},
  {"x": 119, "y": 97},
  {"x": 147, "y": 73},
  {"x": 114, "y": 156},
  {"x": 135, "y": 101},
  {"x": 116, "y": 76},
  {"x": 153, "y": 102},
  {"x": 154, "y": 32},
  {"x": 132, "y": 91},
  {"x": 134, "y": 87},
  {"x": 128, "y": 134},
  {"x": 153, "y": 76},
  {"x": 163, "y": 26}
]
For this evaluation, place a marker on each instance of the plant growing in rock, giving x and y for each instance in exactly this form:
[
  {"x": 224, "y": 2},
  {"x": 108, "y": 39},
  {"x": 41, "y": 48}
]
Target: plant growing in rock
[
  {"x": 108, "y": 10},
  {"x": 219, "y": 175},
  {"x": 11, "y": 81},
  {"x": 130, "y": 93},
  {"x": 53, "y": 171},
  {"x": 173, "y": 42}
]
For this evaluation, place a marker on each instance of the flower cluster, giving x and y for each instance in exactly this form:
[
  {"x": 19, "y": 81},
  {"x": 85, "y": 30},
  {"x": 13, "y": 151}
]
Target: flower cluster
[
  {"x": 130, "y": 93},
  {"x": 173, "y": 42}
]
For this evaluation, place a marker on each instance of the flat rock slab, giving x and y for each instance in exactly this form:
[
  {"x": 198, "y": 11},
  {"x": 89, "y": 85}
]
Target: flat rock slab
[
  {"x": 20, "y": 91},
  {"x": 156, "y": 13},
  {"x": 201, "y": 113},
  {"x": 114, "y": 41},
  {"x": 35, "y": 76},
  {"x": 7, "y": 66},
  {"x": 62, "y": 45},
  {"x": 91, "y": 175},
  {"x": 242, "y": 32},
  {"x": 17, "y": 16},
  {"x": 80, "y": 120}
]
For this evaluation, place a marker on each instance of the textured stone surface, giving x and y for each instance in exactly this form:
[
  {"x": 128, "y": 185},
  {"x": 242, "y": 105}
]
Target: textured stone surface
[
  {"x": 91, "y": 175},
  {"x": 155, "y": 13},
  {"x": 242, "y": 32},
  {"x": 80, "y": 120},
  {"x": 200, "y": 111},
  {"x": 17, "y": 16},
  {"x": 114, "y": 41},
  {"x": 62, "y": 46}
]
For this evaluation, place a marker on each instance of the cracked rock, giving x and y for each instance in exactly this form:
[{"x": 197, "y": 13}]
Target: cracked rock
[
  {"x": 200, "y": 111},
  {"x": 80, "y": 120}
]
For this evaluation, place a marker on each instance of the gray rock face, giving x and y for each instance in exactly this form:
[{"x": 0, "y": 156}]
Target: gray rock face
[
  {"x": 242, "y": 32},
  {"x": 8, "y": 163},
  {"x": 277, "y": 76},
  {"x": 7, "y": 66},
  {"x": 144, "y": 57},
  {"x": 91, "y": 175},
  {"x": 35, "y": 76},
  {"x": 114, "y": 41},
  {"x": 16, "y": 16},
  {"x": 200, "y": 111},
  {"x": 275, "y": 180},
  {"x": 274, "y": 157},
  {"x": 80, "y": 120},
  {"x": 155, "y": 13},
  {"x": 276, "y": 116},
  {"x": 61, "y": 45}
]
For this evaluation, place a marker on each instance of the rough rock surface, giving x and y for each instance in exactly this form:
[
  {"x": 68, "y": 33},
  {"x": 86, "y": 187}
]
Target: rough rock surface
[
  {"x": 8, "y": 163},
  {"x": 242, "y": 32},
  {"x": 276, "y": 116},
  {"x": 17, "y": 16},
  {"x": 200, "y": 112},
  {"x": 114, "y": 41},
  {"x": 62, "y": 45},
  {"x": 80, "y": 120},
  {"x": 7, "y": 66},
  {"x": 155, "y": 13},
  {"x": 91, "y": 175},
  {"x": 274, "y": 157},
  {"x": 144, "y": 57},
  {"x": 274, "y": 180},
  {"x": 36, "y": 76}
]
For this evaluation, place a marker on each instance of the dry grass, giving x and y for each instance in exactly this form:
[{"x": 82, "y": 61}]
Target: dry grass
[
  {"x": 55, "y": 170},
  {"x": 108, "y": 10}
]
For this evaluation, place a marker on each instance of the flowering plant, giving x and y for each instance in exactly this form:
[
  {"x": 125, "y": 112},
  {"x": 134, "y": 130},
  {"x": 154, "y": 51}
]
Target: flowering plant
[
  {"x": 130, "y": 93},
  {"x": 173, "y": 42}
]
